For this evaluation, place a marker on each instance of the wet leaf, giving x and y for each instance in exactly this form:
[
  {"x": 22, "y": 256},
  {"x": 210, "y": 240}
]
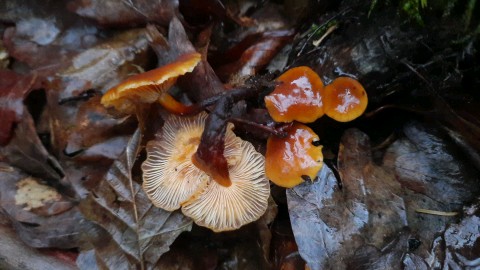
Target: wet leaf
[
  {"x": 94, "y": 70},
  {"x": 126, "y": 12},
  {"x": 331, "y": 224},
  {"x": 255, "y": 55},
  {"x": 14, "y": 254},
  {"x": 119, "y": 205},
  {"x": 26, "y": 152},
  {"x": 427, "y": 163},
  {"x": 97, "y": 136},
  {"x": 49, "y": 222},
  {"x": 203, "y": 249},
  {"x": 13, "y": 90},
  {"x": 461, "y": 242},
  {"x": 434, "y": 176},
  {"x": 44, "y": 46}
]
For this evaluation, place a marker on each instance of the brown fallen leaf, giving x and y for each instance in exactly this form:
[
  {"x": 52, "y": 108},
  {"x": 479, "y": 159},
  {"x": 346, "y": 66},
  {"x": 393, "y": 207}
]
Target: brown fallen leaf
[
  {"x": 13, "y": 90},
  {"x": 125, "y": 13},
  {"x": 41, "y": 216},
  {"x": 256, "y": 51},
  {"x": 27, "y": 152},
  {"x": 458, "y": 247},
  {"x": 118, "y": 204},
  {"x": 330, "y": 224},
  {"x": 16, "y": 255},
  {"x": 427, "y": 163}
]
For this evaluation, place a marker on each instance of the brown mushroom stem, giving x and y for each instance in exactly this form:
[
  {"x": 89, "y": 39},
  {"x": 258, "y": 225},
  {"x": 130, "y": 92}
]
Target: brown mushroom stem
[{"x": 209, "y": 156}]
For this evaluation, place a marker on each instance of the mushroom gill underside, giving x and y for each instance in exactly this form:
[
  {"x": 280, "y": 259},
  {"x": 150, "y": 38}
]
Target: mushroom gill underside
[{"x": 172, "y": 181}]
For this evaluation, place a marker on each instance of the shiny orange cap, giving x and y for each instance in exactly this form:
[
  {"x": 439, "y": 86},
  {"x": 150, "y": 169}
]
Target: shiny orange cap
[
  {"x": 345, "y": 99},
  {"x": 298, "y": 97},
  {"x": 290, "y": 161}
]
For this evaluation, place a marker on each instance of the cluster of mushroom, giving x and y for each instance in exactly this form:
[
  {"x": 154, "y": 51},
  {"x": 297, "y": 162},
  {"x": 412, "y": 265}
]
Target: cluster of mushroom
[
  {"x": 171, "y": 177},
  {"x": 226, "y": 186},
  {"x": 302, "y": 97}
]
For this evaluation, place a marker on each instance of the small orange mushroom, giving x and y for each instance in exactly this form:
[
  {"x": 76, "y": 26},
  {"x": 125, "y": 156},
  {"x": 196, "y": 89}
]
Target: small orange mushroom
[
  {"x": 298, "y": 97},
  {"x": 151, "y": 86},
  {"x": 344, "y": 99},
  {"x": 298, "y": 157}
]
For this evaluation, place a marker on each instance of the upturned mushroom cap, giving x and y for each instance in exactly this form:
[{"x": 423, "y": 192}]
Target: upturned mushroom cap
[
  {"x": 169, "y": 177},
  {"x": 297, "y": 97},
  {"x": 290, "y": 161},
  {"x": 171, "y": 180},
  {"x": 345, "y": 99},
  {"x": 245, "y": 200},
  {"x": 147, "y": 87}
]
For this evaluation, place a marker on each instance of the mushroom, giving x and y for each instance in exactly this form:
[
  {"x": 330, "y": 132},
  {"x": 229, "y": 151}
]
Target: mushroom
[
  {"x": 223, "y": 208},
  {"x": 297, "y": 97},
  {"x": 344, "y": 99},
  {"x": 298, "y": 157},
  {"x": 171, "y": 180},
  {"x": 169, "y": 177},
  {"x": 151, "y": 86}
]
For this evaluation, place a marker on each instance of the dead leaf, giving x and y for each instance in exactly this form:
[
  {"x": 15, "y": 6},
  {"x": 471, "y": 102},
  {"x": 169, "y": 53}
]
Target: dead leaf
[
  {"x": 120, "y": 206},
  {"x": 461, "y": 242},
  {"x": 426, "y": 162},
  {"x": 256, "y": 51},
  {"x": 331, "y": 224},
  {"x": 27, "y": 152},
  {"x": 126, "y": 12},
  {"x": 14, "y": 254},
  {"x": 32, "y": 194},
  {"x": 13, "y": 90},
  {"x": 55, "y": 222},
  {"x": 97, "y": 136}
]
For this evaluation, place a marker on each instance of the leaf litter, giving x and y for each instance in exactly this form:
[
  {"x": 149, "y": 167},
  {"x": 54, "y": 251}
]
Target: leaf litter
[
  {"x": 378, "y": 214},
  {"x": 121, "y": 207}
]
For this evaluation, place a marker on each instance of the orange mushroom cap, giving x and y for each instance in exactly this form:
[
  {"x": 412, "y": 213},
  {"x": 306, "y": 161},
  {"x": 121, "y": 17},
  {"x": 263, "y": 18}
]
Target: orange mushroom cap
[
  {"x": 345, "y": 99},
  {"x": 291, "y": 160},
  {"x": 298, "y": 97},
  {"x": 148, "y": 87}
]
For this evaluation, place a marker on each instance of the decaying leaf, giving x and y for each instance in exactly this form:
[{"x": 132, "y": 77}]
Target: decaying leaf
[
  {"x": 257, "y": 50},
  {"x": 16, "y": 255},
  {"x": 27, "y": 152},
  {"x": 459, "y": 245},
  {"x": 13, "y": 89},
  {"x": 33, "y": 195},
  {"x": 125, "y": 12},
  {"x": 141, "y": 231},
  {"x": 40, "y": 215},
  {"x": 373, "y": 220},
  {"x": 332, "y": 224},
  {"x": 426, "y": 162}
]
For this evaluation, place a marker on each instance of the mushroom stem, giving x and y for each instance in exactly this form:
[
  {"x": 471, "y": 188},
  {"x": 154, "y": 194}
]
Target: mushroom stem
[
  {"x": 173, "y": 106},
  {"x": 209, "y": 156}
]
